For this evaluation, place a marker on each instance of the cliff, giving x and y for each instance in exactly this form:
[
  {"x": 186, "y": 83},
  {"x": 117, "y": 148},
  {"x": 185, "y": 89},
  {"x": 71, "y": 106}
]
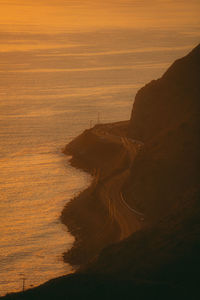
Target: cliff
[
  {"x": 164, "y": 184},
  {"x": 166, "y": 117},
  {"x": 163, "y": 104},
  {"x": 96, "y": 217}
]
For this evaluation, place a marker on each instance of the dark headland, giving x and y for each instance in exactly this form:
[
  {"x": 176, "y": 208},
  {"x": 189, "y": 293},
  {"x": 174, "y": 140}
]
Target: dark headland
[{"x": 137, "y": 226}]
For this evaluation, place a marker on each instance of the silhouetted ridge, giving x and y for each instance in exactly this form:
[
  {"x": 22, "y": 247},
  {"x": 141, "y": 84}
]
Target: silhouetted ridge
[
  {"x": 166, "y": 117},
  {"x": 171, "y": 99},
  {"x": 185, "y": 70}
]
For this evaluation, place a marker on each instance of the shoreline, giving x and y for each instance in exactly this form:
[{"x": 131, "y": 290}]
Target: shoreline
[{"x": 93, "y": 217}]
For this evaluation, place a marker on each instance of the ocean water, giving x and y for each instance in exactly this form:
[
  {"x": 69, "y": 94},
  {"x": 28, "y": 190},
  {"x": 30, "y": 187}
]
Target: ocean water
[{"x": 53, "y": 85}]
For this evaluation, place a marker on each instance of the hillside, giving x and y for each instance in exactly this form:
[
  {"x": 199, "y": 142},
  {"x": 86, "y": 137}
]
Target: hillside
[
  {"x": 166, "y": 117},
  {"x": 164, "y": 183}
]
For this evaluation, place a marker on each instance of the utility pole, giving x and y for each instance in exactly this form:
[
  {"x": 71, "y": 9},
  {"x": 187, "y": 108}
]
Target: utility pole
[{"x": 23, "y": 282}]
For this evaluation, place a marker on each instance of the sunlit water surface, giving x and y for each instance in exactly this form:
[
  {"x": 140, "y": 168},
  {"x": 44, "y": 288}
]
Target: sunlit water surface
[{"x": 54, "y": 85}]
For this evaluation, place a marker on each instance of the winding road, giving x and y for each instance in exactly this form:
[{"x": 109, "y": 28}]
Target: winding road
[{"x": 129, "y": 219}]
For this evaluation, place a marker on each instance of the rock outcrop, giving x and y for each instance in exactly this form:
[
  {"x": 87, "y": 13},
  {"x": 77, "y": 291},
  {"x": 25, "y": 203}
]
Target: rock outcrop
[{"x": 166, "y": 117}]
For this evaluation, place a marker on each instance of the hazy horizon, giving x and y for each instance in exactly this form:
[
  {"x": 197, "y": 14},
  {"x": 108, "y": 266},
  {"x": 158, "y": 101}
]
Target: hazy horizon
[{"x": 51, "y": 15}]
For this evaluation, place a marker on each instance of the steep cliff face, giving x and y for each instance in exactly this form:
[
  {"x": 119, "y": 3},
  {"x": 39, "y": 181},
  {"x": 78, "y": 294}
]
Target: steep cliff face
[
  {"x": 166, "y": 117},
  {"x": 164, "y": 184},
  {"x": 164, "y": 103}
]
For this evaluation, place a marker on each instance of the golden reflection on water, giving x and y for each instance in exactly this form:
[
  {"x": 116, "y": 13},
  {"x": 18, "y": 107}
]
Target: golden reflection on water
[
  {"x": 90, "y": 14},
  {"x": 15, "y": 46},
  {"x": 35, "y": 188}
]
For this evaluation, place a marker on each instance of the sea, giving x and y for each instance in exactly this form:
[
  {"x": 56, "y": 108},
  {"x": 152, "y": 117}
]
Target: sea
[{"x": 56, "y": 80}]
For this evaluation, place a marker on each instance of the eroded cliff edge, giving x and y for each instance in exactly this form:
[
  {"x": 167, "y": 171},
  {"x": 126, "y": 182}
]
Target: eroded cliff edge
[{"x": 99, "y": 216}]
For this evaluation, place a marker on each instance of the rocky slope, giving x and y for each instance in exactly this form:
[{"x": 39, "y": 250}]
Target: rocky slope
[
  {"x": 96, "y": 217},
  {"x": 164, "y": 183},
  {"x": 166, "y": 117}
]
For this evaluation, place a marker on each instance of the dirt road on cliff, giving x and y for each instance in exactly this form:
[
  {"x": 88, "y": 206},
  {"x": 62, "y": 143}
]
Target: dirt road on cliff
[
  {"x": 128, "y": 219},
  {"x": 101, "y": 215},
  {"x": 110, "y": 194}
]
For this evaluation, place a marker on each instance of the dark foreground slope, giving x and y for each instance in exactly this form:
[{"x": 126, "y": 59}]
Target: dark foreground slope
[
  {"x": 164, "y": 183},
  {"x": 161, "y": 260}
]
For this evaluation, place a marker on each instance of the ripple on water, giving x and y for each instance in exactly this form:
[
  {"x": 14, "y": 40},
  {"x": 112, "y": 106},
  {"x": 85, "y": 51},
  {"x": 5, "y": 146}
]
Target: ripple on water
[{"x": 34, "y": 189}]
